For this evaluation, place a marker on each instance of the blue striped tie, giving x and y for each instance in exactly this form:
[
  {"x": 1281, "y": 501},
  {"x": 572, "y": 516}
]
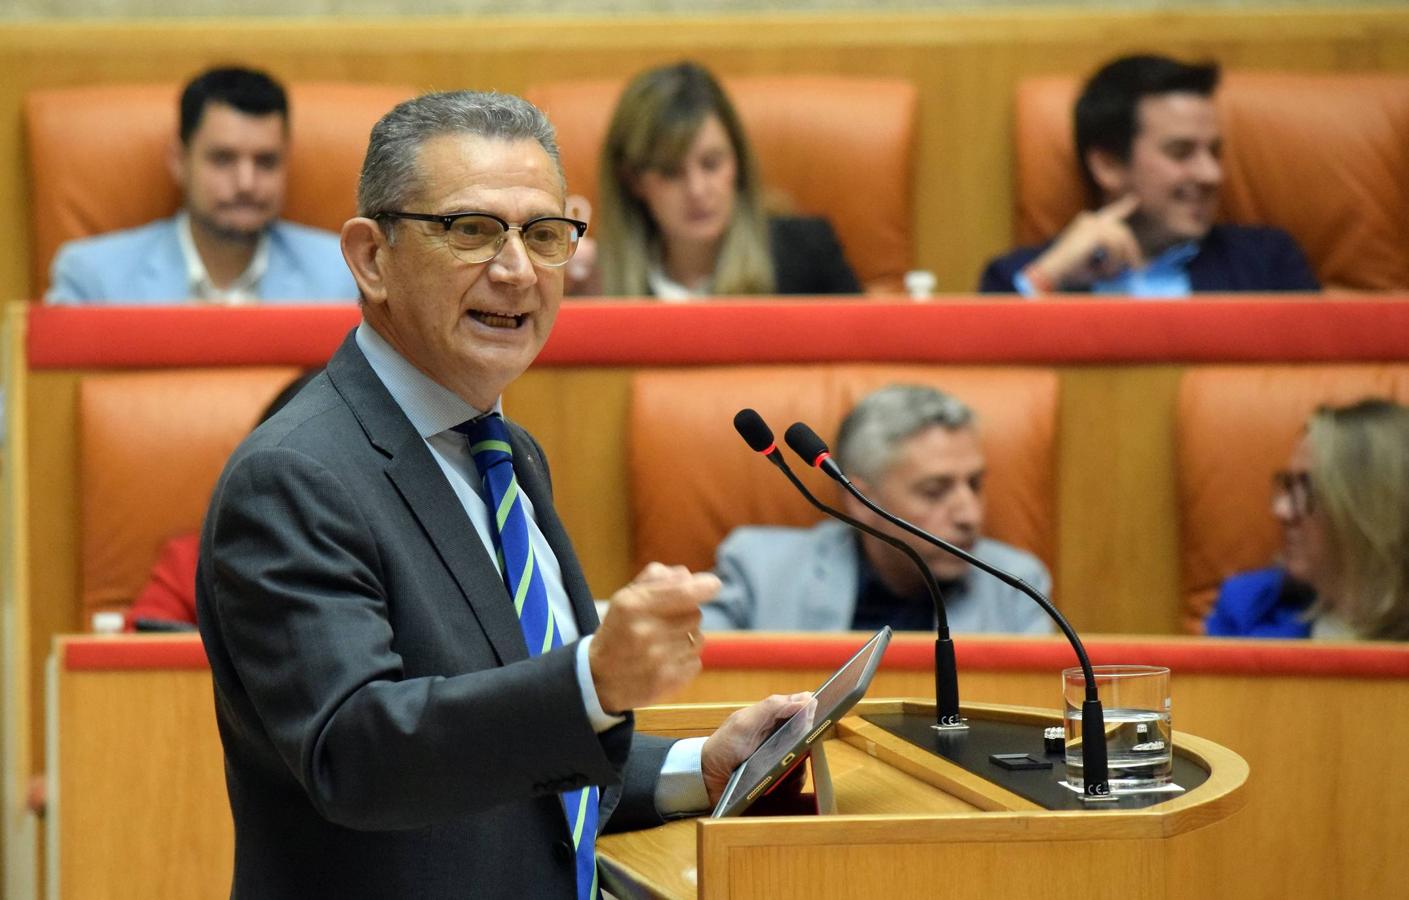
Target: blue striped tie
[{"x": 489, "y": 445}]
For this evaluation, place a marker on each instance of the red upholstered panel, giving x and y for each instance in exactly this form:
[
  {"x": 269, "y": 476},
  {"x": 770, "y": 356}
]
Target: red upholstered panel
[
  {"x": 907, "y": 652},
  {"x": 1003, "y": 331}
]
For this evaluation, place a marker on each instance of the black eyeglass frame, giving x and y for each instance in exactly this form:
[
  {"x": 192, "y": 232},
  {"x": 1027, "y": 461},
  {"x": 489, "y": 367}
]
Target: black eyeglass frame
[
  {"x": 448, "y": 220},
  {"x": 1297, "y": 488}
]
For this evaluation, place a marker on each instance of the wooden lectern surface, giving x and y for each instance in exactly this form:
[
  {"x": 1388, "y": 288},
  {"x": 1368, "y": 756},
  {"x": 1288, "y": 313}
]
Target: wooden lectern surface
[{"x": 909, "y": 824}]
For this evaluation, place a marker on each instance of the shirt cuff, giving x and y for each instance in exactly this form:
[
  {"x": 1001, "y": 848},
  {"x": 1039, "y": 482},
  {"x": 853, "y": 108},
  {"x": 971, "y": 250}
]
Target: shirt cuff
[
  {"x": 601, "y": 719},
  {"x": 1024, "y": 285},
  {"x": 681, "y": 788}
]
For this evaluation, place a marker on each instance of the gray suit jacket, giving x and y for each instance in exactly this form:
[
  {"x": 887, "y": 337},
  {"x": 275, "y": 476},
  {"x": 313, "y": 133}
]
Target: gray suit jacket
[
  {"x": 386, "y": 733},
  {"x": 144, "y": 266},
  {"x": 806, "y": 579}
]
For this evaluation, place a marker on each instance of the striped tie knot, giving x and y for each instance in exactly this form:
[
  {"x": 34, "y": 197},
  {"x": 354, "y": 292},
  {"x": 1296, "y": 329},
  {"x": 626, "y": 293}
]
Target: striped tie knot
[{"x": 489, "y": 440}]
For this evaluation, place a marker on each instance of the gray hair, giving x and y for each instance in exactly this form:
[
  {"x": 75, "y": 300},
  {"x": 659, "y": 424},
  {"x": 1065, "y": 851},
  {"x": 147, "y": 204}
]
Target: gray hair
[
  {"x": 881, "y": 421},
  {"x": 390, "y": 177}
]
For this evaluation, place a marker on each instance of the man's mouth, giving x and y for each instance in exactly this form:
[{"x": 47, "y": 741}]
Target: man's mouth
[{"x": 498, "y": 320}]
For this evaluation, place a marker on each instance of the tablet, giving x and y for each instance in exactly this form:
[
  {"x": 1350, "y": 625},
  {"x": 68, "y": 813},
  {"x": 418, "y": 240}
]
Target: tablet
[{"x": 777, "y": 755}]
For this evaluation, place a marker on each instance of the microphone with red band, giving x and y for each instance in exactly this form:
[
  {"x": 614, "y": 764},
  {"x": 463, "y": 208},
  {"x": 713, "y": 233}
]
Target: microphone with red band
[
  {"x": 811, "y": 448},
  {"x": 759, "y": 436}
]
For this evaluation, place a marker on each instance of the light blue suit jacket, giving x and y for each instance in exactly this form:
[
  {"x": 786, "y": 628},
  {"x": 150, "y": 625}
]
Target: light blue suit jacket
[
  {"x": 144, "y": 266},
  {"x": 806, "y": 579}
]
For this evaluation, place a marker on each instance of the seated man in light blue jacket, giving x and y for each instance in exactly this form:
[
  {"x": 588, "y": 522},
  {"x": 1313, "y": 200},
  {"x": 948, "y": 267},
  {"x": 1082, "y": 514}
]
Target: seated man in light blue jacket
[
  {"x": 915, "y": 451},
  {"x": 227, "y": 244}
]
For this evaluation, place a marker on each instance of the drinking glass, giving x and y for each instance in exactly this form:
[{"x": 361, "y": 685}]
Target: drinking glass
[{"x": 1139, "y": 741}]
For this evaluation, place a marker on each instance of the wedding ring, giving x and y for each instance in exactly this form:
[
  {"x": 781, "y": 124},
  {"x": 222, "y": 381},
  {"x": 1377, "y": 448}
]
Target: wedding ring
[{"x": 690, "y": 636}]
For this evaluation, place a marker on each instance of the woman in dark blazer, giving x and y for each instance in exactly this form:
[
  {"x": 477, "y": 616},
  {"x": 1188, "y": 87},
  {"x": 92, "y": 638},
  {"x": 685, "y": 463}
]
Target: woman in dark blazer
[{"x": 681, "y": 212}]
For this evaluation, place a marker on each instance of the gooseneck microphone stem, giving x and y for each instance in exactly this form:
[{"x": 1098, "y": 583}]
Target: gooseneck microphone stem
[
  {"x": 759, "y": 437},
  {"x": 1095, "y": 768}
]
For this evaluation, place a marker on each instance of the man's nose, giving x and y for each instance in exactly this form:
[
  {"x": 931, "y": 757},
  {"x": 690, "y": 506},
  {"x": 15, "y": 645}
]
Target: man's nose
[
  {"x": 1208, "y": 168},
  {"x": 513, "y": 265},
  {"x": 245, "y": 175},
  {"x": 966, "y": 507}
]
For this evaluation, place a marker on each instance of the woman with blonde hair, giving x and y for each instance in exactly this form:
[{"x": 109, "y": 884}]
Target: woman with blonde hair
[
  {"x": 680, "y": 213},
  {"x": 1343, "y": 505}
]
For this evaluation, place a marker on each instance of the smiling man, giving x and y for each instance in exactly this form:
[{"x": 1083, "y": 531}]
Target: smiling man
[
  {"x": 414, "y": 694},
  {"x": 916, "y": 452},
  {"x": 1149, "y": 144},
  {"x": 227, "y": 245}
]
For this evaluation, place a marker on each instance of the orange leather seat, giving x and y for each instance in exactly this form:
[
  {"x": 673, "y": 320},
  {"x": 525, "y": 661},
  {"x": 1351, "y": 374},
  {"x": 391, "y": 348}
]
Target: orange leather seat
[
  {"x": 151, "y": 445},
  {"x": 837, "y": 147},
  {"x": 1324, "y": 157},
  {"x": 1235, "y": 426},
  {"x": 97, "y": 157},
  {"x": 683, "y": 506}
]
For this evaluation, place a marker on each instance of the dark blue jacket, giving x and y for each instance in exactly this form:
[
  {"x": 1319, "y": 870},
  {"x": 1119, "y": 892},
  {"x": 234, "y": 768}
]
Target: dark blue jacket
[
  {"x": 1261, "y": 603},
  {"x": 1231, "y": 258}
]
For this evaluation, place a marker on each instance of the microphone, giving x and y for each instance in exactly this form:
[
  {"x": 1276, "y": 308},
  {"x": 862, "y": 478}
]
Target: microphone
[
  {"x": 1096, "y": 776},
  {"x": 759, "y": 437}
]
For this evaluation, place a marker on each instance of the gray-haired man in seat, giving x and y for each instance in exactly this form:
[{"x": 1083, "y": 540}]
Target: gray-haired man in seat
[{"x": 916, "y": 452}]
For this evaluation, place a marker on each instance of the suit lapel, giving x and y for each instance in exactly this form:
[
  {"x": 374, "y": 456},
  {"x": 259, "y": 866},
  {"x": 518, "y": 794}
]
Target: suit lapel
[
  {"x": 830, "y": 600},
  {"x": 421, "y": 484},
  {"x": 162, "y": 273}
]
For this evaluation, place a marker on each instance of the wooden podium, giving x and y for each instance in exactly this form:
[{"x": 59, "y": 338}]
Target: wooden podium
[{"x": 913, "y": 824}]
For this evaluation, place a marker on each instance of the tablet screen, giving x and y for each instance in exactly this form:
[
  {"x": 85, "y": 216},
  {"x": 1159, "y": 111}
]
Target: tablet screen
[{"x": 829, "y": 703}]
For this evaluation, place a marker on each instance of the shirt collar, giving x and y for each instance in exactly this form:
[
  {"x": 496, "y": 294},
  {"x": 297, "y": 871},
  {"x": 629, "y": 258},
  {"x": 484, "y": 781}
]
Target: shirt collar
[
  {"x": 663, "y": 287},
  {"x": 1177, "y": 257},
  {"x": 1167, "y": 275},
  {"x": 431, "y": 407},
  {"x": 242, "y": 290}
]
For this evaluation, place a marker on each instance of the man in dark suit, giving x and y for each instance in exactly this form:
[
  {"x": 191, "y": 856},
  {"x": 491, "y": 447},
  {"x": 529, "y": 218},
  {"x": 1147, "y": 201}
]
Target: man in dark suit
[
  {"x": 1148, "y": 141},
  {"x": 413, "y": 693}
]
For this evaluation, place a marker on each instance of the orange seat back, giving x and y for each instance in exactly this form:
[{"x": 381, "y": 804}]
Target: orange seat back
[
  {"x": 1324, "y": 157},
  {"x": 837, "y": 147},
  {"x": 693, "y": 479},
  {"x": 97, "y": 157},
  {"x": 151, "y": 445},
  {"x": 1235, "y": 426}
]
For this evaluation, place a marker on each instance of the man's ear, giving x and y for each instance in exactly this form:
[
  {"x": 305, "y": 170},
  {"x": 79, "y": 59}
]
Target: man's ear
[
  {"x": 364, "y": 247},
  {"x": 1111, "y": 173},
  {"x": 176, "y": 161}
]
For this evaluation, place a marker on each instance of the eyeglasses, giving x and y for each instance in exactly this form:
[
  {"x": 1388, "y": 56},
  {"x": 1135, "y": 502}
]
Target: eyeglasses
[
  {"x": 477, "y": 237},
  {"x": 1296, "y": 487}
]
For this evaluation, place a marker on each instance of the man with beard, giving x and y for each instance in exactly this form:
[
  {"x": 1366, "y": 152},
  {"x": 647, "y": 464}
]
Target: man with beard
[
  {"x": 1149, "y": 144},
  {"x": 226, "y": 245}
]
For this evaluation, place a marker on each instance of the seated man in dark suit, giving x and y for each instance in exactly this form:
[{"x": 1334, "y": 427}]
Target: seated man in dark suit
[
  {"x": 227, "y": 245},
  {"x": 413, "y": 693},
  {"x": 1148, "y": 141}
]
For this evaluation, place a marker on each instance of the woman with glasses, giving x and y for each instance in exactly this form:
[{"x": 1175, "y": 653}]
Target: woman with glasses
[
  {"x": 681, "y": 214},
  {"x": 1343, "y": 505}
]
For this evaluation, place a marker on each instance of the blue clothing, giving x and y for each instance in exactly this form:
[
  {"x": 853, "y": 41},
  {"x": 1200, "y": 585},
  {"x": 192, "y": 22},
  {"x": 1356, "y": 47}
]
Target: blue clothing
[
  {"x": 1230, "y": 258},
  {"x": 809, "y": 579},
  {"x": 1167, "y": 275},
  {"x": 144, "y": 266},
  {"x": 1261, "y": 603}
]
